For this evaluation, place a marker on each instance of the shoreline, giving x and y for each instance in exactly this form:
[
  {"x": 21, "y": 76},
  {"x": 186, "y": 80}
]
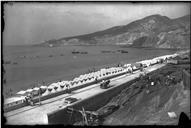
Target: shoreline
[{"x": 89, "y": 45}]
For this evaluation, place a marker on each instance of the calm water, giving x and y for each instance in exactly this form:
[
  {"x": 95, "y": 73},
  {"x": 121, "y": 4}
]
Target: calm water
[{"x": 37, "y": 64}]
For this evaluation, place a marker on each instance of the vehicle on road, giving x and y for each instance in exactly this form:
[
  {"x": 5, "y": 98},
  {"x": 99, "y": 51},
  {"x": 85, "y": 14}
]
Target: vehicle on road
[
  {"x": 105, "y": 84},
  {"x": 70, "y": 100}
]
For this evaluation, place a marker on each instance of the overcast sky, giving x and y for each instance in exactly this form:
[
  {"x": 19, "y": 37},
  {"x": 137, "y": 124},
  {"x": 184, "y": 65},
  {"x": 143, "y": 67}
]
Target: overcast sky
[{"x": 33, "y": 23}]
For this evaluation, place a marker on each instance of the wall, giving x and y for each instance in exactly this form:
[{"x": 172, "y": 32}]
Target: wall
[{"x": 93, "y": 103}]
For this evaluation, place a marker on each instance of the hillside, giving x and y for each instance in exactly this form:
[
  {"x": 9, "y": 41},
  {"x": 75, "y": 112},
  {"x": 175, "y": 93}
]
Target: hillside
[
  {"x": 153, "y": 31},
  {"x": 139, "y": 107},
  {"x": 144, "y": 104}
]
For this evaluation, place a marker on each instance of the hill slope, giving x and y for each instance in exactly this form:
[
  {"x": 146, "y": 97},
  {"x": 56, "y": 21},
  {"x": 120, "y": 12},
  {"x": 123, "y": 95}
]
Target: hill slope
[
  {"x": 143, "y": 104},
  {"x": 152, "y": 31}
]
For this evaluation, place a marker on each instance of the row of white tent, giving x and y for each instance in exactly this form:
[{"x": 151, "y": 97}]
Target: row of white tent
[
  {"x": 82, "y": 79},
  {"x": 157, "y": 59},
  {"x": 90, "y": 77}
]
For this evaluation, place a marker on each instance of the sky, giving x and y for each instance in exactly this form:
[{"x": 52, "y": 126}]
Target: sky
[{"x": 33, "y": 23}]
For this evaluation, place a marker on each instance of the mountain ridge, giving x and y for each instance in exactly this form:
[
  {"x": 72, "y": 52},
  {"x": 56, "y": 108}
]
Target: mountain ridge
[{"x": 152, "y": 31}]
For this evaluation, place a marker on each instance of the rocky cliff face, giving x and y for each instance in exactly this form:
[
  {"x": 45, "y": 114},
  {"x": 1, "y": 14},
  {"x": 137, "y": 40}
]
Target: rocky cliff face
[{"x": 153, "y": 31}]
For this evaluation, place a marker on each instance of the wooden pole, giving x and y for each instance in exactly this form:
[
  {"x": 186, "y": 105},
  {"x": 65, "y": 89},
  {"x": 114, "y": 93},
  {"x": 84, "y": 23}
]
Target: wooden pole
[
  {"x": 39, "y": 92},
  {"x": 85, "y": 118}
]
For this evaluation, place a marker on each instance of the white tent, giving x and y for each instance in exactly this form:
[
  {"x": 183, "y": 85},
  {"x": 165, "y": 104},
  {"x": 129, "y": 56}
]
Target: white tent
[
  {"x": 62, "y": 86},
  {"x": 126, "y": 65},
  {"x": 75, "y": 84},
  {"x": 88, "y": 80},
  {"x": 85, "y": 81},
  {"x": 174, "y": 55},
  {"x": 50, "y": 88},
  {"x": 43, "y": 87},
  {"x": 91, "y": 80},
  {"x": 146, "y": 62},
  {"x": 46, "y": 92},
  {"x": 126, "y": 70},
  {"x": 129, "y": 69},
  {"x": 162, "y": 57},
  {"x": 168, "y": 56},
  {"x": 21, "y": 92},
  {"x": 29, "y": 90},
  {"x": 157, "y": 59},
  {"x": 134, "y": 67},
  {"x": 54, "y": 87},
  {"x": 35, "y": 91},
  {"x": 36, "y": 88},
  {"x": 76, "y": 79},
  {"x": 153, "y": 61},
  {"x": 79, "y": 83},
  {"x": 63, "y": 83},
  {"x": 58, "y": 86},
  {"x": 53, "y": 90},
  {"x": 82, "y": 81}
]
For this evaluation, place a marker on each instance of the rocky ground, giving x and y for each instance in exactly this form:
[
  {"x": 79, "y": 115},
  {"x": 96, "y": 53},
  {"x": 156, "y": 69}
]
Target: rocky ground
[{"x": 144, "y": 104}]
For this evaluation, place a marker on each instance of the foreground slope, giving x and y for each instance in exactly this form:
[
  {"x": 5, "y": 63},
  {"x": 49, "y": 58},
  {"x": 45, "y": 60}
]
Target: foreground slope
[{"x": 143, "y": 104}]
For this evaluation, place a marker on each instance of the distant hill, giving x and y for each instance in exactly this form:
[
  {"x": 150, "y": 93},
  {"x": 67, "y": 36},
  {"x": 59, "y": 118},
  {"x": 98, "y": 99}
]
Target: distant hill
[{"x": 153, "y": 31}]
